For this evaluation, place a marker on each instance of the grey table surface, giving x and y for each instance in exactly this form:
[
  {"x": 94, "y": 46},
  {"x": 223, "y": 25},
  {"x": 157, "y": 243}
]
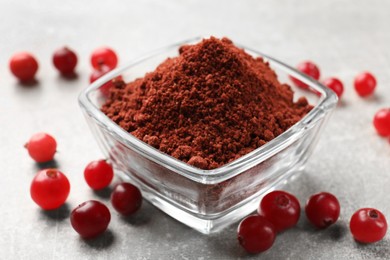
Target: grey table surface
[{"x": 351, "y": 160}]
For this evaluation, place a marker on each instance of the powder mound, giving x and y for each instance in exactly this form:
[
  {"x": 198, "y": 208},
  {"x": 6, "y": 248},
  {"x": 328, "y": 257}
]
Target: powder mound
[{"x": 207, "y": 107}]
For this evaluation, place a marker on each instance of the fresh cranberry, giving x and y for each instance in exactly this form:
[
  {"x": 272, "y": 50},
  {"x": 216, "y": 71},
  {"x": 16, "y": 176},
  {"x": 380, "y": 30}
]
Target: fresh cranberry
[
  {"x": 382, "y": 122},
  {"x": 365, "y": 84},
  {"x": 24, "y": 66},
  {"x": 104, "y": 56},
  {"x": 334, "y": 84},
  {"x": 90, "y": 218},
  {"x": 126, "y": 198},
  {"x": 322, "y": 209},
  {"x": 310, "y": 69},
  {"x": 282, "y": 209},
  {"x": 41, "y": 147},
  {"x": 104, "y": 89},
  {"x": 49, "y": 189},
  {"x": 98, "y": 174},
  {"x": 368, "y": 225},
  {"x": 65, "y": 61},
  {"x": 256, "y": 234}
]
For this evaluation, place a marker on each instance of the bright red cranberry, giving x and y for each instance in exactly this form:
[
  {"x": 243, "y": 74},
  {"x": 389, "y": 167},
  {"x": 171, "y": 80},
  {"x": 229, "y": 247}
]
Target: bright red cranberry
[
  {"x": 126, "y": 198},
  {"x": 49, "y": 189},
  {"x": 322, "y": 209},
  {"x": 41, "y": 147},
  {"x": 98, "y": 174},
  {"x": 368, "y": 225},
  {"x": 282, "y": 209},
  {"x": 334, "y": 84},
  {"x": 365, "y": 84},
  {"x": 90, "y": 218},
  {"x": 256, "y": 234},
  {"x": 24, "y": 66},
  {"x": 310, "y": 69},
  {"x": 104, "y": 56},
  {"x": 65, "y": 60},
  {"x": 382, "y": 122}
]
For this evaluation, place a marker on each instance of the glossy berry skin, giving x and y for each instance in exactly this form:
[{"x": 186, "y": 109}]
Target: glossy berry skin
[
  {"x": 104, "y": 89},
  {"x": 41, "y": 147},
  {"x": 90, "y": 219},
  {"x": 65, "y": 61},
  {"x": 126, "y": 198},
  {"x": 104, "y": 56},
  {"x": 24, "y": 66},
  {"x": 256, "y": 234},
  {"x": 368, "y": 225},
  {"x": 365, "y": 84},
  {"x": 308, "y": 68},
  {"x": 382, "y": 122},
  {"x": 281, "y": 208},
  {"x": 98, "y": 174},
  {"x": 49, "y": 189},
  {"x": 322, "y": 209},
  {"x": 334, "y": 84}
]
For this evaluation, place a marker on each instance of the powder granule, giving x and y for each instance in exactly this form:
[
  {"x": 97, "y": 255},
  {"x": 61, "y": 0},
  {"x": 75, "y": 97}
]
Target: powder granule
[{"x": 207, "y": 107}]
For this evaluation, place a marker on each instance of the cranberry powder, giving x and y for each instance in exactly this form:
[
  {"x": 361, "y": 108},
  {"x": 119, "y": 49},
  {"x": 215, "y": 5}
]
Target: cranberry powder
[{"x": 207, "y": 107}]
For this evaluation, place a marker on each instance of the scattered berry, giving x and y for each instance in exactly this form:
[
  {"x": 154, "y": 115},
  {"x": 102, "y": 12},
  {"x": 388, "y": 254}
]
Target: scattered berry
[
  {"x": 24, "y": 66},
  {"x": 368, "y": 225},
  {"x": 104, "y": 89},
  {"x": 365, "y": 84},
  {"x": 382, "y": 122},
  {"x": 310, "y": 69},
  {"x": 41, "y": 147},
  {"x": 98, "y": 174},
  {"x": 336, "y": 85},
  {"x": 65, "y": 61},
  {"x": 256, "y": 234},
  {"x": 90, "y": 218},
  {"x": 126, "y": 198},
  {"x": 49, "y": 189},
  {"x": 282, "y": 209},
  {"x": 104, "y": 56},
  {"x": 322, "y": 209}
]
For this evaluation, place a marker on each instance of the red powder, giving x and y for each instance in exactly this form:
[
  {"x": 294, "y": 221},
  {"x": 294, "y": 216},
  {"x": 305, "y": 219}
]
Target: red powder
[{"x": 207, "y": 107}]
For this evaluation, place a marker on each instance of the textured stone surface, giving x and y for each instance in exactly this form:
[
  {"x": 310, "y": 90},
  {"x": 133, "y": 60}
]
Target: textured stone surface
[{"x": 343, "y": 37}]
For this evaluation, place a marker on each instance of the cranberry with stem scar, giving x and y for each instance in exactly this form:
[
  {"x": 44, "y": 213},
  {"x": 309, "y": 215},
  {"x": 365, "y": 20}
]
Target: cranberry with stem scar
[
  {"x": 322, "y": 209},
  {"x": 104, "y": 56},
  {"x": 41, "y": 147},
  {"x": 368, "y": 225},
  {"x": 65, "y": 61}
]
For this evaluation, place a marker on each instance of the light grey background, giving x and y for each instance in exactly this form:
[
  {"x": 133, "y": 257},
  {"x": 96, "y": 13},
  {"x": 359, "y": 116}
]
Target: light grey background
[{"x": 351, "y": 161}]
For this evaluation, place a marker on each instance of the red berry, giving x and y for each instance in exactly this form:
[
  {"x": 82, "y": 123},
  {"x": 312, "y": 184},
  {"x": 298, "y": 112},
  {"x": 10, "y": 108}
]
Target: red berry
[
  {"x": 282, "y": 209},
  {"x": 382, "y": 122},
  {"x": 310, "y": 69},
  {"x": 104, "y": 56},
  {"x": 41, "y": 147},
  {"x": 126, "y": 198},
  {"x": 322, "y": 209},
  {"x": 336, "y": 85},
  {"x": 368, "y": 225},
  {"x": 49, "y": 189},
  {"x": 104, "y": 89},
  {"x": 65, "y": 60},
  {"x": 24, "y": 66},
  {"x": 365, "y": 84},
  {"x": 256, "y": 234},
  {"x": 98, "y": 174},
  {"x": 90, "y": 218}
]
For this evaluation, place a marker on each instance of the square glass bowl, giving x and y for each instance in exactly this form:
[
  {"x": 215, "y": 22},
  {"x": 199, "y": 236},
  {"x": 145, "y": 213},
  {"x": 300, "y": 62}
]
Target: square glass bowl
[{"x": 206, "y": 200}]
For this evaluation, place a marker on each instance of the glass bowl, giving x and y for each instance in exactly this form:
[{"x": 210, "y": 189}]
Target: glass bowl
[{"x": 206, "y": 200}]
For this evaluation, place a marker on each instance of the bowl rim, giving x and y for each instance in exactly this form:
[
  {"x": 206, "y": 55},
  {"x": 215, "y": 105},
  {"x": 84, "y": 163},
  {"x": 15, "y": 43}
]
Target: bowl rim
[{"x": 326, "y": 103}]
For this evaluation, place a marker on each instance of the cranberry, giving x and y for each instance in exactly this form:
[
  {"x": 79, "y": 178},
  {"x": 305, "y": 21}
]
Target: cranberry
[
  {"x": 382, "y": 122},
  {"x": 65, "y": 61},
  {"x": 336, "y": 85},
  {"x": 99, "y": 73},
  {"x": 322, "y": 209},
  {"x": 24, "y": 66},
  {"x": 104, "y": 56},
  {"x": 98, "y": 174},
  {"x": 368, "y": 225},
  {"x": 365, "y": 84},
  {"x": 90, "y": 218},
  {"x": 310, "y": 69},
  {"x": 126, "y": 198},
  {"x": 256, "y": 234},
  {"x": 49, "y": 189},
  {"x": 282, "y": 209},
  {"x": 41, "y": 147}
]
